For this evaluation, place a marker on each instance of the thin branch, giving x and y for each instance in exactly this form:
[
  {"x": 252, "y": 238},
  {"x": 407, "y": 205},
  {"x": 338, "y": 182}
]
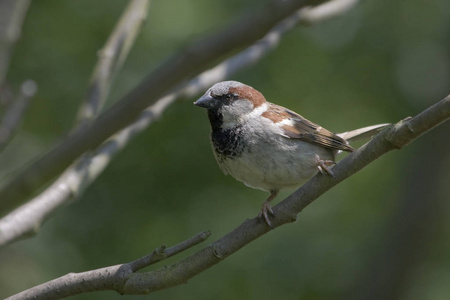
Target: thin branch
[
  {"x": 27, "y": 219},
  {"x": 108, "y": 278},
  {"x": 163, "y": 253},
  {"x": 112, "y": 57},
  {"x": 12, "y": 14},
  {"x": 15, "y": 111},
  {"x": 312, "y": 15},
  {"x": 393, "y": 137},
  {"x": 193, "y": 60}
]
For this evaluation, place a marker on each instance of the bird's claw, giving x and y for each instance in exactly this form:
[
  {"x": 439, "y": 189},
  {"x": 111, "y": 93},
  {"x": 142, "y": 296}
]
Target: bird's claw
[
  {"x": 265, "y": 211},
  {"x": 324, "y": 167}
]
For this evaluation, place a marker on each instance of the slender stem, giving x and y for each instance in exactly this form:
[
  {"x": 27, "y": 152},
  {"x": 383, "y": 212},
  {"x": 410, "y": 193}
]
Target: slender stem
[
  {"x": 111, "y": 58},
  {"x": 15, "y": 112},
  {"x": 163, "y": 253},
  {"x": 108, "y": 278},
  {"x": 28, "y": 218},
  {"x": 12, "y": 14}
]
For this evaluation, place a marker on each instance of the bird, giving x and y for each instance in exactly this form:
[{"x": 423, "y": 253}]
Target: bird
[{"x": 267, "y": 146}]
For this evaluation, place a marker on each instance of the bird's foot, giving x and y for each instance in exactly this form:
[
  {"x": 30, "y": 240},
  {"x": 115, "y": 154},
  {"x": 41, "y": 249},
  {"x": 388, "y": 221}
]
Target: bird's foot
[
  {"x": 265, "y": 211},
  {"x": 324, "y": 167}
]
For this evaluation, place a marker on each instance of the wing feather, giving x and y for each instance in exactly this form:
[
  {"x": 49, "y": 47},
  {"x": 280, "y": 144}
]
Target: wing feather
[{"x": 300, "y": 128}]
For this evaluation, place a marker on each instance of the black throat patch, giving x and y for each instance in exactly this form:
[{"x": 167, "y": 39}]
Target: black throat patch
[{"x": 227, "y": 143}]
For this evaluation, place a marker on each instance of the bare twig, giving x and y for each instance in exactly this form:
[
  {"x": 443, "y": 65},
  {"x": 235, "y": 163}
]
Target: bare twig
[
  {"x": 311, "y": 15},
  {"x": 15, "y": 111},
  {"x": 28, "y": 218},
  {"x": 393, "y": 137},
  {"x": 111, "y": 58},
  {"x": 108, "y": 278},
  {"x": 181, "y": 67},
  {"x": 162, "y": 253},
  {"x": 12, "y": 14}
]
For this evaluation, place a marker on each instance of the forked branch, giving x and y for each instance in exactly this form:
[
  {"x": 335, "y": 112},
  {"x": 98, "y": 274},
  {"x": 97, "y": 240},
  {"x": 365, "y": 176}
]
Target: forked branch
[{"x": 108, "y": 278}]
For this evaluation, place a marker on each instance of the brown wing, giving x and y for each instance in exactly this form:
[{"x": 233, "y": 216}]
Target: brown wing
[{"x": 307, "y": 131}]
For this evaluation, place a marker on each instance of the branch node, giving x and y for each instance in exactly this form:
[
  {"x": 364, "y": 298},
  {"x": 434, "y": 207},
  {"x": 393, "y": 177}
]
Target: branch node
[
  {"x": 392, "y": 137},
  {"x": 161, "y": 251},
  {"x": 216, "y": 252},
  {"x": 205, "y": 235},
  {"x": 294, "y": 218}
]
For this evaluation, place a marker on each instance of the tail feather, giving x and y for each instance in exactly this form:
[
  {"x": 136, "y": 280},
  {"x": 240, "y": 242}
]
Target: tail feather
[{"x": 362, "y": 133}]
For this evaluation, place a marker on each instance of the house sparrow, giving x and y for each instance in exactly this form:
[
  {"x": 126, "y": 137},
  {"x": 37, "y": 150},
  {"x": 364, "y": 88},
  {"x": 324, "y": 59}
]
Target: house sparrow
[{"x": 267, "y": 146}]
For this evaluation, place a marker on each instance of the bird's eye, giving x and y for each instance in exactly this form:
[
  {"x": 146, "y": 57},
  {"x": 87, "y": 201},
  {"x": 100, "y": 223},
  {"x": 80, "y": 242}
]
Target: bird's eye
[{"x": 230, "y": 96}]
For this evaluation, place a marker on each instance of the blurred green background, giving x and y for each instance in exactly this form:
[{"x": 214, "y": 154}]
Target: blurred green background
[{"x": 382, "y": 234}]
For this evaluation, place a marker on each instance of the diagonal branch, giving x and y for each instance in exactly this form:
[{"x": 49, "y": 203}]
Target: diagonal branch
[
  {"x": 12, "y": 14},
  {"x": 183, "y": 66},
  {"x": 112, "y": 57},
  {"x": 393, "y": 137},
  {"x": 15, "y": 111},
  {"x": 108, "y": 278},
  {"x": 311, "y": 15},
  {"x": 28, "y": 218},
  {"x": 163, "y": 253}
]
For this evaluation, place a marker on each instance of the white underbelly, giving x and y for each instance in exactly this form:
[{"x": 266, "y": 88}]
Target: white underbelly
[{"x": 274, "y": 168}]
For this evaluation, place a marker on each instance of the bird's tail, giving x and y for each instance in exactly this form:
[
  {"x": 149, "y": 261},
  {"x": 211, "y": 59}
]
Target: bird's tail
[{"x": 362, "y": 133}]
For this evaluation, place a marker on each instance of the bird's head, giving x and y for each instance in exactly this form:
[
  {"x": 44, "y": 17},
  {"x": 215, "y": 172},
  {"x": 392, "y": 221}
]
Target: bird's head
[{"x": 231, "y": 103}]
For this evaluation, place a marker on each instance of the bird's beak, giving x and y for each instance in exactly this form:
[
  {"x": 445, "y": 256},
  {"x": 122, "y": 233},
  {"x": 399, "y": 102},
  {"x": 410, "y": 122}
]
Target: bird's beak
[{"x": 205, "y": 101}]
